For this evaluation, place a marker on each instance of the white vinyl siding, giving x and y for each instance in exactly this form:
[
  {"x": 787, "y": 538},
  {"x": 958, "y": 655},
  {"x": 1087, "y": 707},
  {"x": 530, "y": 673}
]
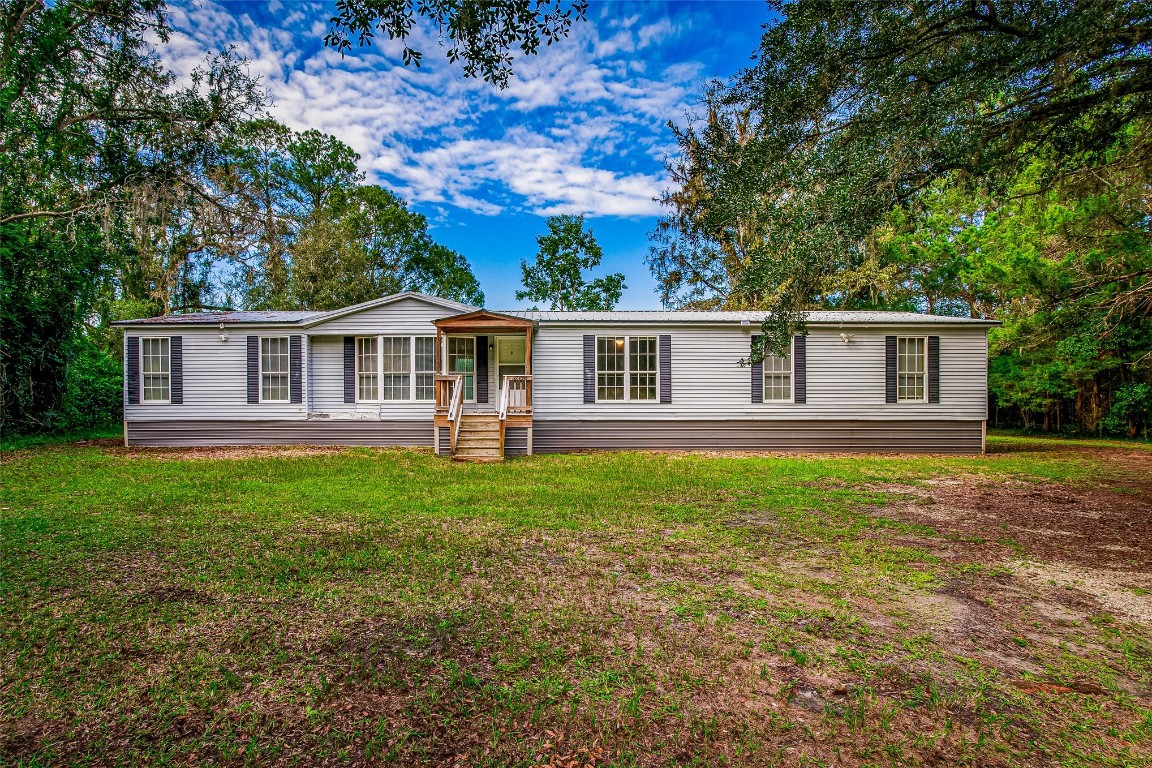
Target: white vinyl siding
[
  {"x": 912, "y": 369},
  {"x": 626, "y": 368},
  {"x": 155, "y": 370},
  {"x": 778, "y": 378},
  {"x": 845, "y": 381},
  {"x": 274, "y": 369}
]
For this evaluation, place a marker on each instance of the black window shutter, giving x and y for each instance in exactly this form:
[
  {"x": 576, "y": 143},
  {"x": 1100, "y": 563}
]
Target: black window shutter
[
  {"x": 295, "y": 374},
  {"x": 800, "y": 369},
  {"x": 349, "y": 369},
  {"x": 889, "y": 369},
  {"x": 132, "y": 360},
  {"x": 757, "y": 376},
  {"x": 176, "y": 370},
  {"x": 481, "y": 369},
  {"x": 933, "y": 369},
  {"x": 589, "y": 369},
  {"x": 664, "y": 343},
  {"x": 253, "y": 370}
]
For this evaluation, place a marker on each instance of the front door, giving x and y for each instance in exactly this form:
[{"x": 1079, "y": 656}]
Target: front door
[{"x": 510, "y": 356}]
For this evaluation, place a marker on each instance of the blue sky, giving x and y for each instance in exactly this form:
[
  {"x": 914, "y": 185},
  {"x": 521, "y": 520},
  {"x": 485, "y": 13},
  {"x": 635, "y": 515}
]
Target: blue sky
[{"x": 582, "y": 127}]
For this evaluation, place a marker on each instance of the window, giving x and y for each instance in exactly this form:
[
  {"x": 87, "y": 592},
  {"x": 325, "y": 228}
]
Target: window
[
  {"x": 462, "y": 360},
  {"x": 395, "y": 354},
  {"x": 642, "y": 368},
  {"x": 155, "y": 370},
  {"x": 395, "y": 368},
  {"x": 778, "y": 378},
  {"x": 367, "y": 369},
  {"x": 425, "y": 368},
  {"x": 274, "y": 370},
  {"x": 911, "y": 369},
  {"x": 626, "y": 368}
]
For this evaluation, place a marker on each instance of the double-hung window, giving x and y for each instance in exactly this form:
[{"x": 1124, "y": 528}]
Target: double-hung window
[
  {"x": 911, "y": 369},
  {"x": 778, "y": 378},
  {"x": 155, "y": 370},
  {"x": 396, "y": 364},
  {"x": 424, "y": 356},
  {"x": 395, "y": 368},
  {"x": 368, "y": 369},
  {"x": 274, "y": 369},
  {"x": 626, "y": 368}
]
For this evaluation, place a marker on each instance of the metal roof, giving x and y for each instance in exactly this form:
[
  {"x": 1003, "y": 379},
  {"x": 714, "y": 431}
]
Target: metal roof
[
  {"x": 653, "y": 317},
  {"x": 225, "y": 316},
  {"x": 860, "y": 317},
  {"x": 246, "y": 317}
]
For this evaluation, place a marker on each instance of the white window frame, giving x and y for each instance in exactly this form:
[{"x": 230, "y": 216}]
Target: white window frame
[
  {"x": 288, "y": 373},
  {"x": 765, "y": 373},
  {"x": 628, "y": 368},
  {"x": 413, "y": 372},
  {"x": 142, "y": 374},
  {"x": 924, "y": 371},
  {"x": 360, "y": 371}
]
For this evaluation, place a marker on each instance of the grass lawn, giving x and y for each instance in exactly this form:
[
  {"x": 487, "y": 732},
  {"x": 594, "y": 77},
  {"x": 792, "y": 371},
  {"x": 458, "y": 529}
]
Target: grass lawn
[{"x": 312, "y": 606}]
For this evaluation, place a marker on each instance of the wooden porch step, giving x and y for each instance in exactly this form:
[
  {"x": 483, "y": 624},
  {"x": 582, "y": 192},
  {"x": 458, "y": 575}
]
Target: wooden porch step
[
  {"x": 479, "y": 453},
  {"x": 479, "y": 438},
  {"x": 465, "y": 443}
]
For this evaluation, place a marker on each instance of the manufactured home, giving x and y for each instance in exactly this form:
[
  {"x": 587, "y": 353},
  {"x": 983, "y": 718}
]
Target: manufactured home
[{"x": 415, "y": 370}]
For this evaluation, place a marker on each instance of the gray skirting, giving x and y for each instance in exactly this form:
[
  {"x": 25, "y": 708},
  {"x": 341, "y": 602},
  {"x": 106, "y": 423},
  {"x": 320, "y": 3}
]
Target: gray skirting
[
  {"x": 860, "y": 436},
  {"x": 557, "y": 436},
  {"x": 317, "y": 432},
  {"x": 444, "y": 443},
  {"x": 516, "y": 441}
]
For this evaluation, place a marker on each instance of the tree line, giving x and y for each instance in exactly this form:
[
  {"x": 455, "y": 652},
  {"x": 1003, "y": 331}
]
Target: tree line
[
  {"x": 983, "y": 158},
  {"x": 986, "y": 158},
  {"x": 127, "y": 192}
]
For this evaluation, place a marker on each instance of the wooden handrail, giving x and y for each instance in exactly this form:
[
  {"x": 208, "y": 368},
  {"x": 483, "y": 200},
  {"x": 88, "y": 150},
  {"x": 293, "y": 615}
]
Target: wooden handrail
[
  {"x": 445, "y": 385},
  {"x": 456, "y": 409},
  {"x": 516, "y": 399}
]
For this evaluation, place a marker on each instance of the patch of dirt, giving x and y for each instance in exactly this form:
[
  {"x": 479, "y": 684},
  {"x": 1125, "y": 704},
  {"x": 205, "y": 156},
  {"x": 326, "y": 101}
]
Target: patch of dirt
[
  {"x": 1095, "y": 527},
  {"x": 1119, "y": 592}
]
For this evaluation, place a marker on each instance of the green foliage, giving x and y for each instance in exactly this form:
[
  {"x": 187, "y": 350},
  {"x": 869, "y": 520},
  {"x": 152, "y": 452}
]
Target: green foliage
[
  {"x": 1130, "y": 411},
  {"x": 101, "y": 150},
  {"x": 852, "y": 109},
  {"x": 974, "y": 159},
  {"x": 93, "y": 391},
  {"x": 557, "y": 275},
  {"x": 483, "y": 34},
  {"x": 364, "y": 243},
  {"x": 126, "y": 191}
]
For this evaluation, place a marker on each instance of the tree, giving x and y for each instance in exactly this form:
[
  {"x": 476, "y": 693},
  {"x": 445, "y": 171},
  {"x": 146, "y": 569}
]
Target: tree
[
  {"x": 853, "y": 109},
  {"x": 94, "y": 135},
  {"x": 557, "y": 275},
  {"x": 483, "y": 33},
  {"x": 364, "y": 243}
]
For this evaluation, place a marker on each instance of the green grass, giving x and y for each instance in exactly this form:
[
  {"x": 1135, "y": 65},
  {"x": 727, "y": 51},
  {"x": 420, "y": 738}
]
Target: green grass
[
  {"x": 651, "y": 609},
  {"x": 21, "y": 442}
]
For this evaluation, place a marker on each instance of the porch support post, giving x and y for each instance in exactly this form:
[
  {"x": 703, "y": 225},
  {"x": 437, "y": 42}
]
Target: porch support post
[{"x": 440, "y": 351}]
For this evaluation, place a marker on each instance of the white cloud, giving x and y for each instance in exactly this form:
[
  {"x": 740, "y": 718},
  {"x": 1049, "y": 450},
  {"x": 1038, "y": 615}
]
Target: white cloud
[{"x": 577, "y": 129}]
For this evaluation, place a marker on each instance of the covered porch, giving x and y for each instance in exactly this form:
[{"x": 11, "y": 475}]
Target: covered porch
[{"x": 483, "y": 383}]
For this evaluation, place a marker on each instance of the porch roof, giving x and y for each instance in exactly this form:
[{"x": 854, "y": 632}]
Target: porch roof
[{"x": 483, "y": 320}]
